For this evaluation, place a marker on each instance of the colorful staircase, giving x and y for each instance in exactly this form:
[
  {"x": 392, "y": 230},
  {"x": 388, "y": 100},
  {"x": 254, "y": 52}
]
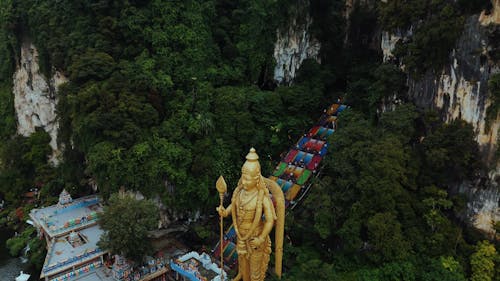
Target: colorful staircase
[{"x": 293, "y": 172}]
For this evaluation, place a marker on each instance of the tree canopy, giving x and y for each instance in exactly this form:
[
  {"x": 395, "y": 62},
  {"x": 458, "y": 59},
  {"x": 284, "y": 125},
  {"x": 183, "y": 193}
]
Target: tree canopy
[{"x": 126, "y": 222}]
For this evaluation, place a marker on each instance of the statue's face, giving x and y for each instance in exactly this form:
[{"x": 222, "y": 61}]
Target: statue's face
[{"x": 249, "y": 181}]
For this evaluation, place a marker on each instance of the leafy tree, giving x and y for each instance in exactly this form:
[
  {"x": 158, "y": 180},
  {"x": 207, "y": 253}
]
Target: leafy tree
[
  {"x": 121, "y": 237},
  {"x": 386, "y": 238},
  {"x": 8, "y": 40},
  {"x": 436, "y": 203},
  {"x": 24, "y": 164},
  {"x": 389, "y": 271},
  {"x": 309, "y": 266},
  {"x": 483, "y": 262},
  {"x": 18, "y": 243},
  {"x": 400, "y": 122},
  {"x": 37, "y": 252},
  {"x": 91, "y": 66},
  {"x": 446, "y": 269},
  {"x": 357, "y": 90},
  {"x": 390, "y": 83},
  {"x": 7, "y": 113},
  {"x": 450, "y": 154},
  {"x": 107, "y": 165}
]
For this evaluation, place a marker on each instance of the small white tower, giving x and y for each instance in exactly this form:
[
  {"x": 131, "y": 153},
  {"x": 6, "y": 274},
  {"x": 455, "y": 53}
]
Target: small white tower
[{"x": 65, "y": 198}]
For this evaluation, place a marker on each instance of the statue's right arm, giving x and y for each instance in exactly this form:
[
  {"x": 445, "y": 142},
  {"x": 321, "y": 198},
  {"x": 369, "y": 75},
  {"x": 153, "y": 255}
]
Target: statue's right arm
[{"x": 224, "y": 212}]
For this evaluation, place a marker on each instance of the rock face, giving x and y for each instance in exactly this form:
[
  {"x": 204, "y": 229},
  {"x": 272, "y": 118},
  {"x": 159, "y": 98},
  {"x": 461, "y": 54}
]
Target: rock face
[
  {"x": 492, "y": 17},
  {"x": 294, "y": 44},
  {"x": 387, "y": 44},
  {"x": 461, "y": 91},
  {"x": 389, "y": 40},
  {"x": 35, "y": 98},
  {"x": 482, "y": 210}
]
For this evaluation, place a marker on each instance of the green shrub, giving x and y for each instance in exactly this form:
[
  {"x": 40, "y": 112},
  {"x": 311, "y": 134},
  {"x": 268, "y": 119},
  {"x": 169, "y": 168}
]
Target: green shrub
[{"x": 18, "y": 243}]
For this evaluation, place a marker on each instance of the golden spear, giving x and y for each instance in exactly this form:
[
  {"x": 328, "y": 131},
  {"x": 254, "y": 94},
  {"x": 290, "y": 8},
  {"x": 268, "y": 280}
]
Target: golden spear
[{"x": 221, "y": 188}]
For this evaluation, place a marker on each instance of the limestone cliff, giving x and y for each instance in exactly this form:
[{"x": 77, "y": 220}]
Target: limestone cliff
[
  {"x": 294, "y": 44},
  {"x": 460, "y": 91},
  {"x": 35, "y": 97},
  {"x": 493, "y": 16},
  {"x": 389, "y": 40}
]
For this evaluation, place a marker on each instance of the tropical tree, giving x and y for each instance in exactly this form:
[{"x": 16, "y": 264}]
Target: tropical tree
[
  {"x": 483, "y": 262},
  {"x": 126, "y": 222}
]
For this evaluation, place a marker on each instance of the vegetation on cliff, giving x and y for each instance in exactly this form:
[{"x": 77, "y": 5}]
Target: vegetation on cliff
[{"x": 435, "y": 26}]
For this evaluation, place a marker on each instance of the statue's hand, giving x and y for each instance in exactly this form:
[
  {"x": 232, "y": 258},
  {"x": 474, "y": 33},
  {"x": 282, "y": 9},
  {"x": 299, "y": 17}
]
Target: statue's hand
[
  {"x": 255, "y": 242},
  {"x": 222, "y": 211}
]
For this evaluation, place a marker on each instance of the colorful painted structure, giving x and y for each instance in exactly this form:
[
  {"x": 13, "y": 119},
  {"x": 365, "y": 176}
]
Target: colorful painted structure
[
  {"x": 293, "y": 172},
  {"x": 66, "y": 216},
  {"x": 71, "y": 231},
  {"x": 195, "y": 267},
  {"x": 155, "y": 269}
]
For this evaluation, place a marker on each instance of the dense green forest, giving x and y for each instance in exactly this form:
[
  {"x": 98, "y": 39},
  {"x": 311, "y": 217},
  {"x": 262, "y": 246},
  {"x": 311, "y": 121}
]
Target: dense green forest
[{"x": 165, "y": 96}]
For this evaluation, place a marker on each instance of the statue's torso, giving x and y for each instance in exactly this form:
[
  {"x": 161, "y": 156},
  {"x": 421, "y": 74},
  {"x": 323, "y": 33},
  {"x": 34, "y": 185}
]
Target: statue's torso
[{"x": 246, "y": 206}]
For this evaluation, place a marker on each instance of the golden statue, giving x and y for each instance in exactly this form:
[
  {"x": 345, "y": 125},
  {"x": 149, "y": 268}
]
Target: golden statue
[{"x": 254, "y": 215}]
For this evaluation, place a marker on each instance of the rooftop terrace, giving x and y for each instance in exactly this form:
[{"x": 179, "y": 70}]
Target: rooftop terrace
[
  {"x": 63, "y": 254},
  {"x": 196, "y": 267},
  {"x": 99, "y": 274},
  {"x": 58, "y": 220}
]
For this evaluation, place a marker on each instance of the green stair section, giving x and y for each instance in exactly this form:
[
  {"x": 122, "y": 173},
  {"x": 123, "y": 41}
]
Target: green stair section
[
  {"x": 304, "y": 177},
  {"x": 280, "y": 169}
]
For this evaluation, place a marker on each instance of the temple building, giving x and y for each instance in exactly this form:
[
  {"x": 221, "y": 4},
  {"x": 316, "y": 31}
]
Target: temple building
[
  {"x": 196, "y": 267},
  {"x": 71, "y": 231}
]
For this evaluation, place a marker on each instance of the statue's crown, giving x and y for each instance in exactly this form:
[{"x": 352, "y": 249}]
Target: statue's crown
[{"x": 252, "y": 165}]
